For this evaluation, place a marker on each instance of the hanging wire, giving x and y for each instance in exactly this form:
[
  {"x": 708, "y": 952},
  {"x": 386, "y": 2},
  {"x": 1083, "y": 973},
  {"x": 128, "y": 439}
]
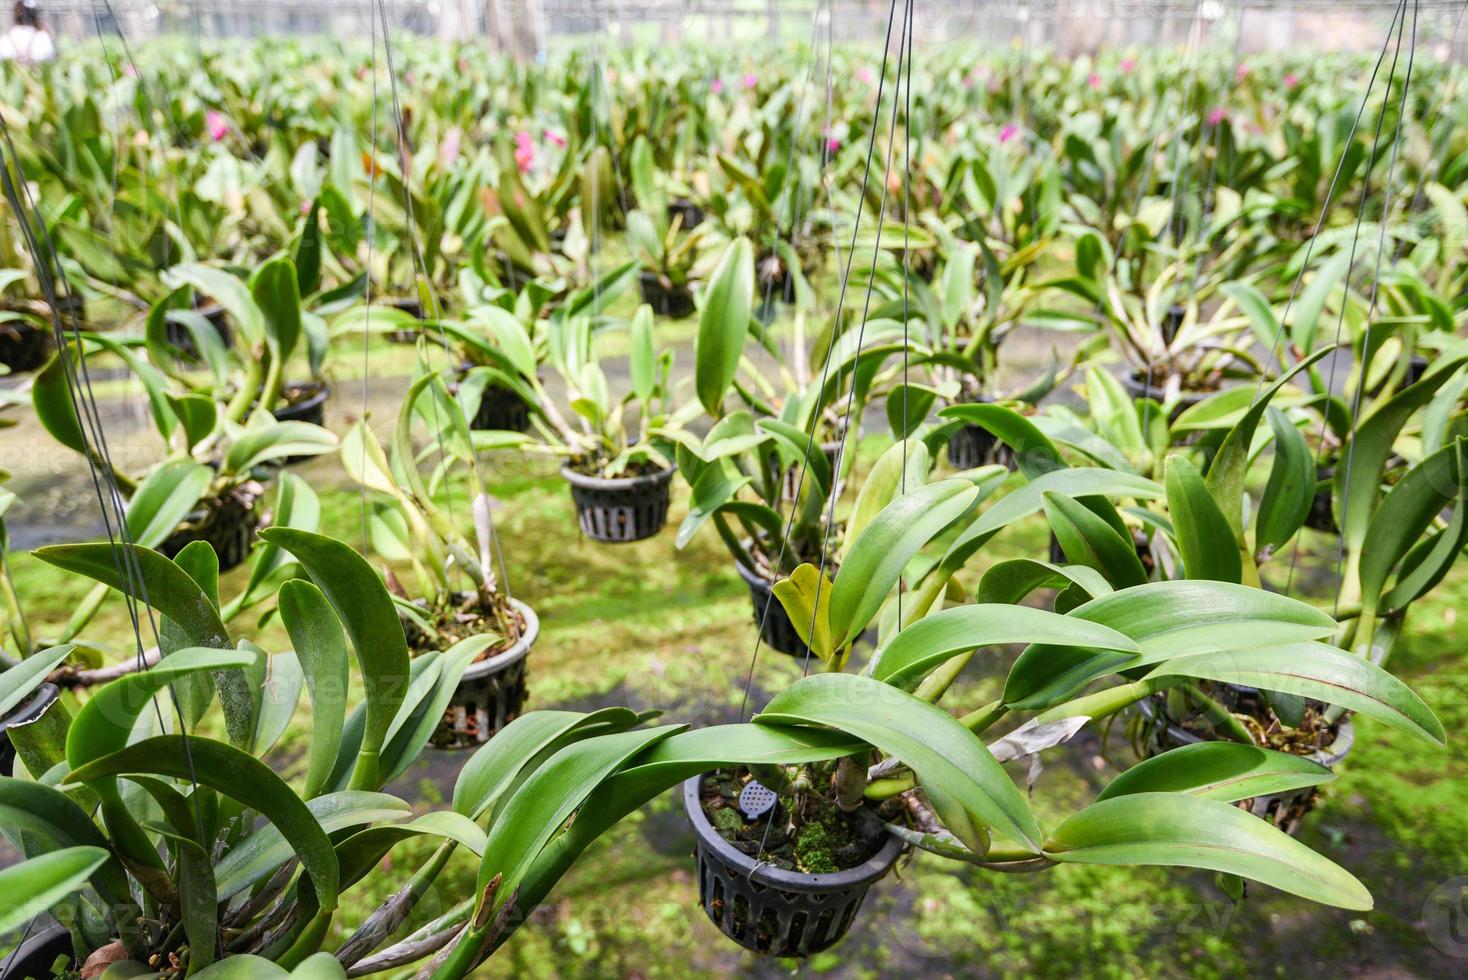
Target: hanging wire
[
  {"x": 1398, "y": 26},
  {"x": 367, "y": 285},
  {"x": 1386, "y": 205},
  {"x": 826, "y": 365},
  {"x": 903, "y": 42},
  {"x": 907, "y": 261}
]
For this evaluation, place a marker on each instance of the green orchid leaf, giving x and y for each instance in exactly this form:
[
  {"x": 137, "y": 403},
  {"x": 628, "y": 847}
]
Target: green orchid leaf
[
  {"x": 1224, "y": 771},
  {"x": 1180, "y": 830}
]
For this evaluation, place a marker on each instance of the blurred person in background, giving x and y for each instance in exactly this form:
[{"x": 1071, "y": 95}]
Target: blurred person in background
[{"x": 27, "y": 42}]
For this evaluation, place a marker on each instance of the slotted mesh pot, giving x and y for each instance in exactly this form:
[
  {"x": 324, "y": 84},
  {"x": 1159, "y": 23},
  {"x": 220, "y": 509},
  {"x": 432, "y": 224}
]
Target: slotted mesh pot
[
  {"x": 767, "y": 910},
  {"x": 24, "y": 346},
  {"x": 46, "y": 943},
  {"x": 492, "y": 692},
  {"x": 228, "y": 524},
  {"x": 1285, "y": 810},
  {"x": 775, "y": 626},
  {"x": 620, "y": 510},
  {"x": 501, "y": 409},
  {"x": 973, "y": 445}
]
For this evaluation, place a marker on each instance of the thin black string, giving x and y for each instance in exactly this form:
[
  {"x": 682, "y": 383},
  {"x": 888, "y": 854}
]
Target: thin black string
[
  {"x": 906, "y": 264},
  {"x": 852, "y": 426},
  {"x": 1386, "y": 205},
  {"x": 1398, "y": 27},
  {"x": 367, "y": 281},
  {"x": 904, "y": 37},
  {"x": 826, "y": 365}
]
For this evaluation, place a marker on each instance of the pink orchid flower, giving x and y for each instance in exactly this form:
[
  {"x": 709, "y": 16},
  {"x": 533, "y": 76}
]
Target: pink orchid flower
[
  {"x": 524, "y": 151},
  {"x": 1291, "y": 80},
  {"x": 551, "y": 136},
  {"x": 1216, "y": 116},
  {"x": 832, "y": 144},
  {"x": 864, "y": 75},
  {"x": 1241, "y": 73},
  {"x": 217, "y": 124},
  {"x": 1009, "y": 132},
  {"x": 716, "y": 86},
  {"x": 1128, "y": 65},
  {"x": 750, "y": 81},
  {"x": 448, "y": 150},
  {"x": 305, "y": 206},
  {"x": 1094, "y": 81}
]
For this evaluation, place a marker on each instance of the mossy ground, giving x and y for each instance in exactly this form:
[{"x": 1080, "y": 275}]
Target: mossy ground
[{"x": 651, "y": 627}]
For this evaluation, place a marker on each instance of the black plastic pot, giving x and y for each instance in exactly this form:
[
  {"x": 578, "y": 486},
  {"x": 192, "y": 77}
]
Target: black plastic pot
[
  {"x": 178, "y": 335},
  {"x": 412, "y": 306},
  {"x": 1416, "y": 368},
  {"x": 772, "y": 279},
  {"x": 620, "y": 510},
  {"x": 974, "y": 445},
  {"x": 1285, "y": 810},
  {"x": 792, "y": 476},
  {"x": 227, "y": 524},
  {"x": 311, "y": 409},
  {"x": 1144, "y": 552},
  {"x": 1321, "y": 516},
  {"x": 502, "y": 409},
  {"x": 770, "y": 617},
  {"x": 491, "y": 694},
  {"x": 691, "y": 213},
  {"x": 27, "y": 711},
  {"x": 35, "y": 958},
  {"x": 1137, "y": 387},
  {"x": 24, "y": 345},
  {"x": 676, "y": 302},
  {"x": 767, "y": 910}
]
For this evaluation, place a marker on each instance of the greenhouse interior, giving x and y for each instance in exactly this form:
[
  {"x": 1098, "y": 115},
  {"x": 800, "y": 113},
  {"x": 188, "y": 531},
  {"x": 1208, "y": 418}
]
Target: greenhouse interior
[{"x": 762, "y": 488}]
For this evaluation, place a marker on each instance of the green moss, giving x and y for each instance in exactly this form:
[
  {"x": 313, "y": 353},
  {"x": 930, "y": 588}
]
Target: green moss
[{"x": 815, "y": 847}]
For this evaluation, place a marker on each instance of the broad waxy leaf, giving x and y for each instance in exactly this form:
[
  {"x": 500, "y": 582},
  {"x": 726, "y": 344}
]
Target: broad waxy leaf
[
  {"x": 1188, "y": 831},
  {"x": 259, "y": 854},
  {"x": 32, "y": 887},
  {"x": 886, "y": 545},
  {"x": 164, "y": 498},
  {"x": 954, "y": 767},
  {"x": 321, "y": 648},
  {"x": 1225, "y": 771},
  {"x": 21, "y": 681},
  {"x": 806, "y": 596},
  {"x": 1320, "y": 671},
  {"x": 935, "y": 638},
  {"x": 723, "y": 324},
  {"x": 1200, "y": 525},
  {"x": 1088, "y": 539},
  {"x": 1290, "y": 491},
  {"x": 239, "y": 776},
  {"x": 365, "y": 608},
  {"x": 1034, "y": 453},
  {"x": 1166, "y": 619}
]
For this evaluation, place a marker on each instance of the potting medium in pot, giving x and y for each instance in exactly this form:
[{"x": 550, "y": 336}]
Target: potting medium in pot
[
  {"x": 622, "y": 509},
  {"x": 1285, "y": 809},
  {"x": 771, "y": 910}
]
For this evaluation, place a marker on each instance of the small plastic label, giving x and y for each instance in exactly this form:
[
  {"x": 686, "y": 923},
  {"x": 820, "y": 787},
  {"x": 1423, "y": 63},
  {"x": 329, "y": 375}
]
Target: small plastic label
[{"x": 756, "y": 800}]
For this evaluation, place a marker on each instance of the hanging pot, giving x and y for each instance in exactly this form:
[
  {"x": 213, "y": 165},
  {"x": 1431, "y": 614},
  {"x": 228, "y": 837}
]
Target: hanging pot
[
  {"x": 770, "y": 617},
  {"x": 501, "y": 409},
  {"x": 622, "y": 509},
  {"x": 1322, "y": 515},
  {"x": 1285, "y": 810},
  {"x": 773, "y": 280},
  {"x": 1416, "y": 368},
  {"x": 974, "y": 445},
  {"x": 228, "y": 523},
  {"x": 492, "y": 692},
  {"x": 411, "y": 305},
  {"x": 27, "y": 711},
  {"x": 766, "y": 909},
  {"x": 305, "y": 401},
  {"x": 791, "y": 476},
  {"x": 691, "y": 213},
  {"x": 1137, "y": 386},
  {"x": 670, "y": 300},
  {"x": 37, "y": 957},
  {"x": 25, "y": 344},
  {"x": 178, "y": 335}
]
